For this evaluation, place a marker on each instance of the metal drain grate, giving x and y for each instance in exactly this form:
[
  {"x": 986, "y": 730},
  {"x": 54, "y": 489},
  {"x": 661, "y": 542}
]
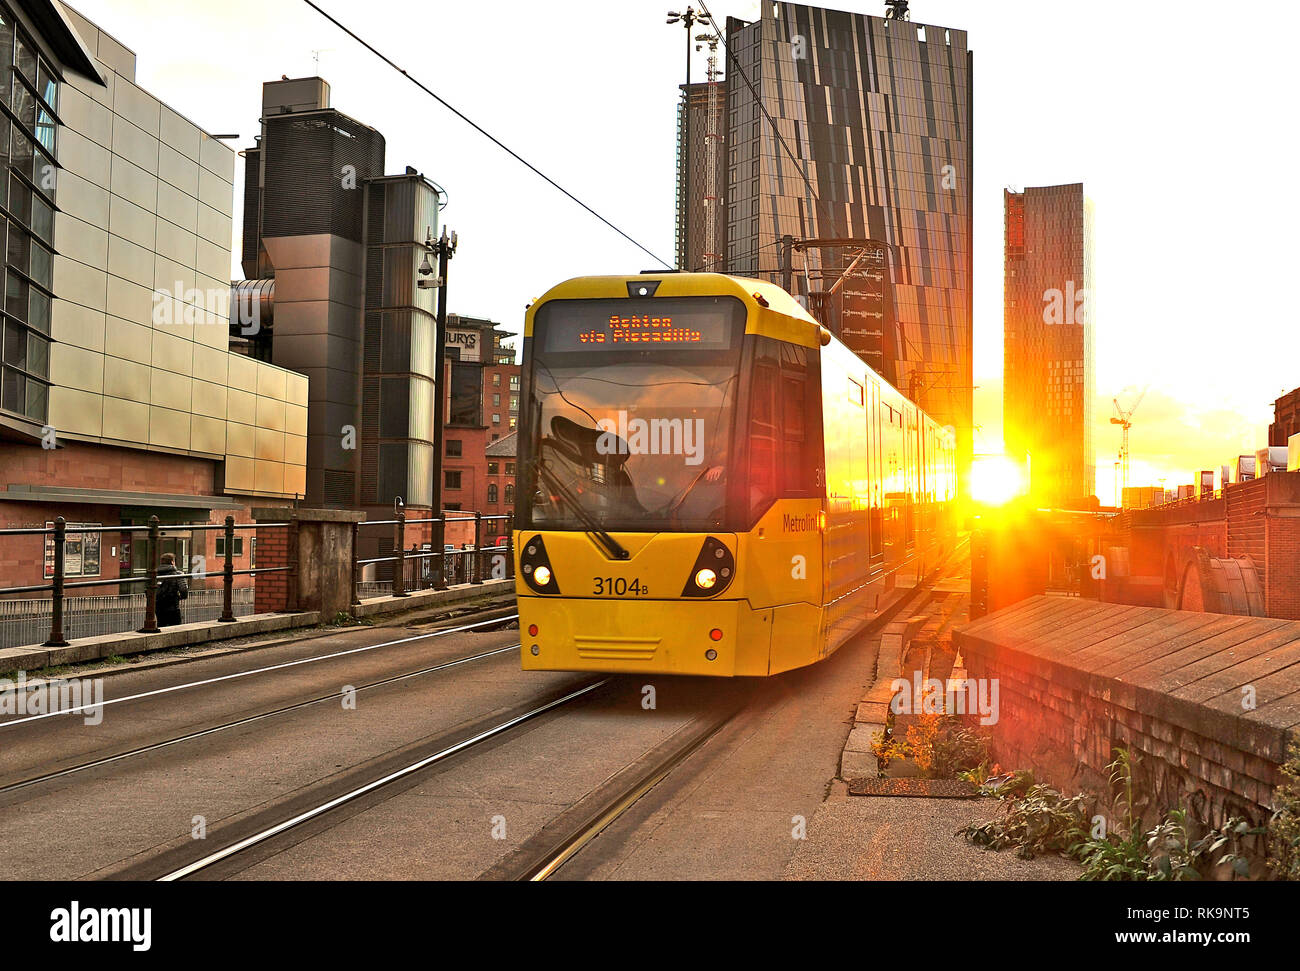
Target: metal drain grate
[{"x": 918, "y": 788}]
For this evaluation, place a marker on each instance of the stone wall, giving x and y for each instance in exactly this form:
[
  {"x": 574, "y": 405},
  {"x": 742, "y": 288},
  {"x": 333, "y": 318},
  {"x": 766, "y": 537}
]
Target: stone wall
[{"x": 1078, "y": 680}]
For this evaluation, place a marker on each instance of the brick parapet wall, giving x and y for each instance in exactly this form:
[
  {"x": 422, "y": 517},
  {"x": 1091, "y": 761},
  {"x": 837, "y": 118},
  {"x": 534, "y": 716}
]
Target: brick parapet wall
[
  {"x": 1077, "y": 681},
  {"x": 1065, "y": 727}
]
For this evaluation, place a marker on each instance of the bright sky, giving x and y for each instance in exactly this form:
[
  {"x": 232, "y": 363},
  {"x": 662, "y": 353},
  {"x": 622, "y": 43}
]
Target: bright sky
[{"x": 1176, "y": 115}]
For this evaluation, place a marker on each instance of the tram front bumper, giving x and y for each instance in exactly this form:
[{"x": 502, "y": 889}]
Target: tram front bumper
[{"x": 723, "y": 638}]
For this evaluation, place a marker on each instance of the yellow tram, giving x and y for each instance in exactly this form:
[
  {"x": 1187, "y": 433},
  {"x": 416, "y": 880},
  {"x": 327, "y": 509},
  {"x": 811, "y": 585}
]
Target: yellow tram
[{"x": 710, "y": 482}]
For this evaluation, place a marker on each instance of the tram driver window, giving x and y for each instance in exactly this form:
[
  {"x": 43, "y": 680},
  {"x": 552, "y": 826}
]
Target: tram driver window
[{"x": 763, "y": 442}]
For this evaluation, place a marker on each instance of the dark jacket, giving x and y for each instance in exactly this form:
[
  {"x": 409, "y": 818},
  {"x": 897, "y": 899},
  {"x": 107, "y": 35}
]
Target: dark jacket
[{"x": 172, "y": 590}]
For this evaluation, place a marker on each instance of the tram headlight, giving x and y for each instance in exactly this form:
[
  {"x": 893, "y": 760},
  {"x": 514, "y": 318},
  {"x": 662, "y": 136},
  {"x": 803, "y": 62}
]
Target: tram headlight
[
  {"x": 713, "y": 570},
  {"x": 535, "y": 567}
]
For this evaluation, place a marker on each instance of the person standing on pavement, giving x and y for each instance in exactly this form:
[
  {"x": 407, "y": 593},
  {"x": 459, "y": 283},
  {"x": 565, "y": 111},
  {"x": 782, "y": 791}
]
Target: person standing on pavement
[{"x": 172, "y": 589}]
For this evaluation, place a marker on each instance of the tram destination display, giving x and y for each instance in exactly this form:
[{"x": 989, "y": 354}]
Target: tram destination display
[{"x": 616, "y": 326}]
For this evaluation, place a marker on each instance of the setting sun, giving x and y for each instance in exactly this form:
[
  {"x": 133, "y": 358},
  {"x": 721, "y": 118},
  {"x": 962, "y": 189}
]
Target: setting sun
[{"x": 995, "y": 479}]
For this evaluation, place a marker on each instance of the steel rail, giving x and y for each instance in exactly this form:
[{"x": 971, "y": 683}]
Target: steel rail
[
  {"x": 591, "y": 821},
  {"x": 189, "y": 736},
  {"x": 302, "y": 817},
  {"x": 244, "y": 674}
]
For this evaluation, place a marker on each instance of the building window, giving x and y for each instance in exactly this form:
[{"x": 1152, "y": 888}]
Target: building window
[
  {"x": 496, "y": 401},
  {"x": 238, "y": 547},
  {"x": 510, "y": 492},
  {"x": 492, "y": 494},
  {"x": 451, "y": 479},
  {"x": 496, "y": 419},
  {"x": 514, "y": 404},
  {"x": 496, "y": 379},
  {"x": 492, "y": 468},
  {"x": 29, "y": 97},
  {"x": 514, "y": 382},
  {"x": 510, "y": 468},
  {"x": 454, "y": 447}
]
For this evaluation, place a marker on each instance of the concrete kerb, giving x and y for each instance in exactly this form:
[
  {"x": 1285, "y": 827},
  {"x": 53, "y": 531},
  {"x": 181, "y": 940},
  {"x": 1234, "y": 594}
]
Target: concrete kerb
[
  {"x": 872, "y": 714},
  {"x": 90, "y": 649}
]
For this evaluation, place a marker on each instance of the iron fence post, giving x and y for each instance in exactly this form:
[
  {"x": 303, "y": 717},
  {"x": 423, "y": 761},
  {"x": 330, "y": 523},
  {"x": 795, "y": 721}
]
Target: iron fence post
[
  {"x": 355, "y": 599},
  {"x": 399, "y": 568},
  {"x": 151, "y": 581},
  {"x": 228, "y": 578},
  {"x": 56, "y": 597},
  {"x": 478, "y": 548},
  {"x": 440, "y": 547}
]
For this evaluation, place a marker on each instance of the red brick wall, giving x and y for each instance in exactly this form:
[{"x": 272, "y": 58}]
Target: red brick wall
[
  {"x": 271, "y": 594},
  {"x": 81, "y": 465},
  {"x": 85, "y": 466},
  {"x": 1259, "y": 518},
  {"x": 1282, "y": 572},
  {"x": 1063, "y": 723}
]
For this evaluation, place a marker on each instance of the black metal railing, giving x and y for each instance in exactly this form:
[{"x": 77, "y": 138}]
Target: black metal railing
[
  {"x": 470, "y": 564},
  {"x": 59, "y": 584}
]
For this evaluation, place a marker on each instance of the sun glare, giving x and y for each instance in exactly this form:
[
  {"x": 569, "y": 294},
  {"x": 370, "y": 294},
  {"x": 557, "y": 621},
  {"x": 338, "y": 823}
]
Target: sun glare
[{"x": 995, "y": 479}]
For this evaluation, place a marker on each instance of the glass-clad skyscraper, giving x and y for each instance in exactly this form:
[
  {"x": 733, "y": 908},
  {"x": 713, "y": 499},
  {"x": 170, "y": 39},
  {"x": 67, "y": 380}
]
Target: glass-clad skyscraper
[
  {"x": 852, "y": 135},
  {"x": 1048, "y": 340}
]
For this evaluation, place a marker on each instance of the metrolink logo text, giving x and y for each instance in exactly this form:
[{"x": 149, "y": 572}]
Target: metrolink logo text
[{"x": 652, "y": 436}]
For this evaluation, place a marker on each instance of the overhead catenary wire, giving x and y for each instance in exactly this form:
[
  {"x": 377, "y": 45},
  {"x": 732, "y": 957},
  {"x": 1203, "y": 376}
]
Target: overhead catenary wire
[{"x": 480, "y": 129}]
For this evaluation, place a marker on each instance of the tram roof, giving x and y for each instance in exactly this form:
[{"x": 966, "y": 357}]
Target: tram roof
[{"x": 682, "y": 285}]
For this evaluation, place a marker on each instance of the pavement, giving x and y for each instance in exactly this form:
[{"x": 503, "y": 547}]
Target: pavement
[
  {"x": 895, "y": 838},
  {"x": 907, "y": 837}
]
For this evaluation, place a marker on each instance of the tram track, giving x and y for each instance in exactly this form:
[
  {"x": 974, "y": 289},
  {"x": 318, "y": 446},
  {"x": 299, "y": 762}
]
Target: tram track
[
  {"x": 266, "y": 669},
  {"x": 248, "y": 720},
  {"x": 565, "y": 836},
  {"x": 445, "y": 749}
]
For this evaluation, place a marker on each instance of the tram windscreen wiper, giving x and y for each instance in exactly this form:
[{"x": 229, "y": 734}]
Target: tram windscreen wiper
[{"x": 612, "y": 546}]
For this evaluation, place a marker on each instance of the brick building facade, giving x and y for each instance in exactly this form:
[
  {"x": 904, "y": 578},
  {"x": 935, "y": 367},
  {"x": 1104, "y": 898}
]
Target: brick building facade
[
  {"x": 1286, "y": 418},
  {"x": 482, "y": 400},
  {"x": 1259, "y": 519}
]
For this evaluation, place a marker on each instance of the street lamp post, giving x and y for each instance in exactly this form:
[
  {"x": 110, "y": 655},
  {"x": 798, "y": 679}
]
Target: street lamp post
[
  {"x": 688, "y": 20},
  {"x": 444, "y": 249}
]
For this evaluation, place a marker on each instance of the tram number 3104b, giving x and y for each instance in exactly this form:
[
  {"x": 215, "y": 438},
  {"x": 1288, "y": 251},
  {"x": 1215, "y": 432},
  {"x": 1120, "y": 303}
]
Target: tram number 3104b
[{"x": 619, "y": 587}]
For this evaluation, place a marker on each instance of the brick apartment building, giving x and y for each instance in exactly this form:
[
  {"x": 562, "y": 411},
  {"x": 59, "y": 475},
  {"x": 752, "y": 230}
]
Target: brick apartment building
[
  {"x": 120, "y": 395},
  {"x": 482, "y": 411}
]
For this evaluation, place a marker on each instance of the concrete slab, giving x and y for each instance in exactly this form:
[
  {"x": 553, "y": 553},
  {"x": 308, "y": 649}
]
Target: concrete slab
[{"x": 909, "y": 839}]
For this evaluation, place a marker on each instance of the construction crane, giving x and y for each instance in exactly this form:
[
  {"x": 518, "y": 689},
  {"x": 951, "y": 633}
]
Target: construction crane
[
  {"x": 711, "y": 258},
  {"x": 1125, "y": 421}
]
